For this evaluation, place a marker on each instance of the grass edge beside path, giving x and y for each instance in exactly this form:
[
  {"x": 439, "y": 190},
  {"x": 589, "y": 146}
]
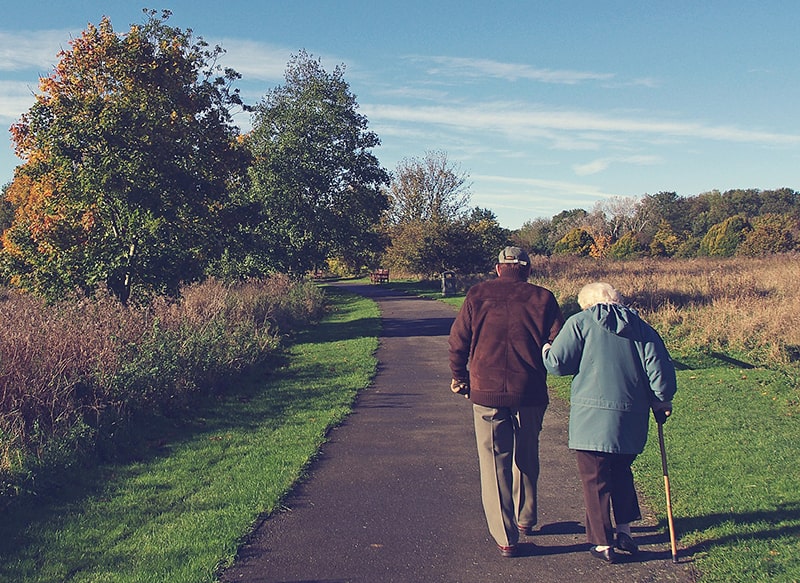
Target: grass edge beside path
[{"x": 181, "y": 514}]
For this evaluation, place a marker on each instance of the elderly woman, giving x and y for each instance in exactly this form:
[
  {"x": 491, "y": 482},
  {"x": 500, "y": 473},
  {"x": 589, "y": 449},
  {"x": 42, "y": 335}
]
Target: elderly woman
[{"x": 622, "y": 370}]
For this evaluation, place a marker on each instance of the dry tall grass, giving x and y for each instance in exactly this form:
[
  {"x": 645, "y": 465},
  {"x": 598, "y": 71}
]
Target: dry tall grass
[
  {"x": 735, "y": 304},
  {"x": 67, "y": 368}
]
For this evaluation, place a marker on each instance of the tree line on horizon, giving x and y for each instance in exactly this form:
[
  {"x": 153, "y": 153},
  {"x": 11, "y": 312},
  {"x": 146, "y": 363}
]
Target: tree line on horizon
[
  {"x": 748, "y": 222},
  {"x": 135, "y": 178}
]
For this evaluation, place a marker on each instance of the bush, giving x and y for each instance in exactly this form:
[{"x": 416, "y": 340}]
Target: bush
[
  {"x": 626, "y": 247},
  {"x": 723, "y": 238},
  {"x": 72, "y": 371},
  {"x": 577, "y": 242}
]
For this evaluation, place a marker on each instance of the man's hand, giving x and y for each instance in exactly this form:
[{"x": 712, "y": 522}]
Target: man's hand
[
  {"x": 661, "y": 411},
  {"x": 460, "y": 387}
]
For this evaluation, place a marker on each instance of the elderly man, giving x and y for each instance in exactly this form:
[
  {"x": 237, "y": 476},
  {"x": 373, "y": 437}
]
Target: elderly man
[{"x": 495, "y": 360}]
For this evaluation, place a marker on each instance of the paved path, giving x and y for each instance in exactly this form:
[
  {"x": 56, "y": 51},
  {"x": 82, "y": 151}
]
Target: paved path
[{"x": 394, "y": 495}]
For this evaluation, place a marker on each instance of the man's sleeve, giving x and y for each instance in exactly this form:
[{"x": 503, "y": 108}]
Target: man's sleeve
[
  {"x": 459, "y": 341},
  {"x": 558, "y": 321}
]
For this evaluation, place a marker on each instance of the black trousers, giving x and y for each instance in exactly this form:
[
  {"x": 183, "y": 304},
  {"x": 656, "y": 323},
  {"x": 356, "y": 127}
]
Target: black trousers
[{"x": 607, "y": 481}]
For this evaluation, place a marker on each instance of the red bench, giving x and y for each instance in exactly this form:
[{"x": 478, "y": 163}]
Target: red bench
[{"x": 379, "y": 276}]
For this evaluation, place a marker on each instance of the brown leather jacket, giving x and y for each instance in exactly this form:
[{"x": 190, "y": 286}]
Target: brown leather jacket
[{"x": 500, "y": 331}]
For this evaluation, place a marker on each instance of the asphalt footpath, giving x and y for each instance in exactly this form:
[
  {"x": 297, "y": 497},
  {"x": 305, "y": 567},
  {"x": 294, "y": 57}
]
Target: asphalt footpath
[{"x": 394, "y": 495}]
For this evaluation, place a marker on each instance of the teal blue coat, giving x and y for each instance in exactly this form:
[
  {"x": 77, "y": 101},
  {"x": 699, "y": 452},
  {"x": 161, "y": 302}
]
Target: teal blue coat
[{"x": 621, "y": 368}]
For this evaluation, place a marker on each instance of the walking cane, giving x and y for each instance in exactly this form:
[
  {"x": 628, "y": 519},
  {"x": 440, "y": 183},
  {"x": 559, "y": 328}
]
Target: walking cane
[{"x": 666, "y": 489}]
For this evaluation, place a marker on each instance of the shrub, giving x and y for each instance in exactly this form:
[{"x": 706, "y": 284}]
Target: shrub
[
  {"x": 723, "y": 238},
  {"x": 626, "y": 247},
  {"x": 70, "y": 372},
  {"x": 771, "y": 233},
  {"x": 577, "y": 242}
]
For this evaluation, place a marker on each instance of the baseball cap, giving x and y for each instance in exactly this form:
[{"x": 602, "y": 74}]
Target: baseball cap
[{"x": 513, "y": 255}]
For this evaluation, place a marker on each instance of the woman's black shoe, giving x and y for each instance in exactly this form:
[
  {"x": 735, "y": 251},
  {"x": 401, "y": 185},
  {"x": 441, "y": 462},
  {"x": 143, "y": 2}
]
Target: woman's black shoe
[{"x": 625, "y": 543}]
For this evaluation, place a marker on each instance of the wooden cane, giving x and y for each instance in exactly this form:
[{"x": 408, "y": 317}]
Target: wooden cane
[{"x": 666, "y": 489}]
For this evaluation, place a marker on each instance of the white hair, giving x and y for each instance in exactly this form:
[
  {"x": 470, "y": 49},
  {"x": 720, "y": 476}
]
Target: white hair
[{"x": 598, "y": 292}]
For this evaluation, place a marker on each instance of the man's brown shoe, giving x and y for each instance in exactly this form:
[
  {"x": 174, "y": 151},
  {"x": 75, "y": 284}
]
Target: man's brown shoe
[{"x": 510, "y": 551}]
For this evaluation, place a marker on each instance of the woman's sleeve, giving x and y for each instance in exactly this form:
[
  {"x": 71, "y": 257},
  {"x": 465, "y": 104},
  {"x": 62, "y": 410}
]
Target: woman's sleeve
[
  {"x": 564, "y": 356},
  {"x": 659, "y": 368}
]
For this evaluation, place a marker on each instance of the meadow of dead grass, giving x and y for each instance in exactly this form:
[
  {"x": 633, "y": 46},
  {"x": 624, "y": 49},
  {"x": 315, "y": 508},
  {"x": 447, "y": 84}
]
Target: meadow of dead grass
[
  {"x": 740, "y": 304},
  {"x": 70, "y": 371}
]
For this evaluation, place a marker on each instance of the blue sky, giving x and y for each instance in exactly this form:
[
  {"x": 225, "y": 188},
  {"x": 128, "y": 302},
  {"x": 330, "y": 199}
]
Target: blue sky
[{"x": 546, "y": 105}]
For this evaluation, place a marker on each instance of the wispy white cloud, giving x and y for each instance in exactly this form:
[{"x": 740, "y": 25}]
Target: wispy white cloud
[
  {"x": 465, "y": 67},
  {"x": 35, "y": 50},
  {"x": 601, "y": 164},
  {"x": 256, "y": 61},
  {"x": 520, "y": 120},
  {"x": 15, "y": 98},
  {"x": 516, "y": 197}
]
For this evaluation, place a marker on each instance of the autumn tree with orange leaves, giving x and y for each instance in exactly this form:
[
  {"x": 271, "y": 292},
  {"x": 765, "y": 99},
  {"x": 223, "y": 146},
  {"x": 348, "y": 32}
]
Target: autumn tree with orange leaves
[{"x": 129, "y": 158}]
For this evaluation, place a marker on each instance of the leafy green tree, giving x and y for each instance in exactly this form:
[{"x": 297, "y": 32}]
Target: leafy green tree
[
  {"x": 666, "y": 206},
  {"x": 665, "y": 241},
  {"x": 723, "y": 238},
  {"x": 129, "y": 153},
  {"x": 577, "y": 242},
  {"x": 780, "y": 201},
  {"x": 771, "y": 233},
  {"x": 481, "y": 238},
  {"x": 6, "y": 210},
  {"x": 626, "y": 247},
  {"x": 689, "y": 248},
  {"x": 318, "y": 185},
  {"x": 566, "y": 221},
  {"x": 535, "y": 236}
]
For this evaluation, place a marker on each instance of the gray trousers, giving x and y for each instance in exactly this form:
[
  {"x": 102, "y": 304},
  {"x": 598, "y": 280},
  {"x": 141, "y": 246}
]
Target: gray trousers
[{"x": 508, "y": 455}]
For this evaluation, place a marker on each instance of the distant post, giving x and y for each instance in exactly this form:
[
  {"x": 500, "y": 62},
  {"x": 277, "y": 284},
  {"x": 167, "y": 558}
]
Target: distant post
[{"x": 448, "y": 283}]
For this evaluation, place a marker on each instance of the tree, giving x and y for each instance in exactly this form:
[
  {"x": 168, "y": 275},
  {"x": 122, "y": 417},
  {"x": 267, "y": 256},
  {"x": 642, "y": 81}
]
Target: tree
[
  {"x": 723, "y": 238},
  {"x": 566, "y": 221},
  {"x": 129, "y": 153},
  {"x": 771, "y": 233},
  {"x": 429, "y": 189},
  {"x": 665, "y": 242},
  {"x": 577, "y": 242},
  {"x": 780, "y": 201},
  {"x": 626, "y": 247},
  {"x": 428, "y": 220},
  {"x": 318, "y": 185},
  {"x": 623, "y": 215}
]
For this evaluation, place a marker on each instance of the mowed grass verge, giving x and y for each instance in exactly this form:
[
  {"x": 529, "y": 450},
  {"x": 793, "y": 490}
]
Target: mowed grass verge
[{"x": 179, "y": 512}]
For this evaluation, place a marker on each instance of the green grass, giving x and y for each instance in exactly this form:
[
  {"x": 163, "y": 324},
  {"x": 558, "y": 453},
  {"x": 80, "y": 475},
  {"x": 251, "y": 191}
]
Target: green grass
[
  {"x": 732, "y": 459},
  {"x": 732, "y": 453},
  {"x": 178, "y": 512}
]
